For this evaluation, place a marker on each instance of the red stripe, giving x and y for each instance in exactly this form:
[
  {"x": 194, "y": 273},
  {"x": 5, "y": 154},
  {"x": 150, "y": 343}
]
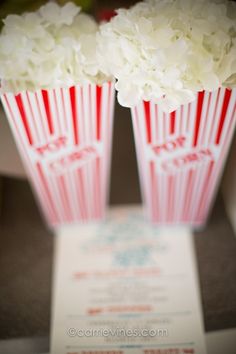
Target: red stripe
[
  {"x": 213, "y": 121},
  {"x": 170, "y": 198},
  {"x": 153, "y": 192},
  {"x": 33, "y": 117},
  {"x": 57, "y": 112},
  {"x": 74, "y": 114},
  {"x": 172, "y": 122},
  {"x": 48, "y": 111},
  {"x": 77, "y": 196},
  {"x": 46, "y": 188},
  {"x": 80, "y": 194},
  {"x": 109, "y": 115},
  {"x": 90, "y": 114},
  {"x": 99, "y": 105},
  {"x": 41, "y": 117},
  {"x": 204, "y": 191},
  {"x": 108, "y": 144},
  {"x": 82, "y": 112},
  {"x": 164, "y": 136},
  {"x": 64, "y": 108},
  {"x": 95, "y": 203},
  {"x": 206, "y": 118},
  {"x": 181, "y": 120},
  {"x": 188, "y": 117},
  {"x": 187, "y": 197},
  {"x": 65, "y": 198},
  {"x": 148, "y": 120},
  {"x": 223, "y": 115},
  {"x": 198, "y": 117},
  {"x": 24, "y": 118},
  {"x": 190, "y": 194},
  {"x": 156, "y": 121},
  {"x": 99, "y": 185}
]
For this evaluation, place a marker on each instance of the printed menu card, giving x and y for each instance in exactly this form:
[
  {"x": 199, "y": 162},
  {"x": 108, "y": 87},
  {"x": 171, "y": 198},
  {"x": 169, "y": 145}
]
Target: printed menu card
[{"x": 123, "y": 286}]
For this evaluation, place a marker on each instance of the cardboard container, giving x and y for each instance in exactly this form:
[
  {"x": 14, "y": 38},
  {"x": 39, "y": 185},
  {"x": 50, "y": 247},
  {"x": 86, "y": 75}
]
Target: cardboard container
[
  {"x": 181, "y": 156},
  {"x": 64, "y": 137}
]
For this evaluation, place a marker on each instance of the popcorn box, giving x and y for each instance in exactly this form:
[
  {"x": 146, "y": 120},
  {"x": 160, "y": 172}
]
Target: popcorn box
[
  {"x": 181, "y": 155},
  {"x": 64, "y": 137}
]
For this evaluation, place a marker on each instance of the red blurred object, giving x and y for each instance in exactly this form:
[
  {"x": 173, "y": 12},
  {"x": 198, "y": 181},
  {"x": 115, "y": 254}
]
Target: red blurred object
[{"x": 105, "y": 14}]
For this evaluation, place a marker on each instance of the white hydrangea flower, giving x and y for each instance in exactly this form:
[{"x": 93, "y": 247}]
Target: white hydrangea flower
[
  {"x": 168, "y": 50},
  {"x": 54, "y": 46},
  {"x": 53, "y": 14},
  {"x": 28, "y": 23}
]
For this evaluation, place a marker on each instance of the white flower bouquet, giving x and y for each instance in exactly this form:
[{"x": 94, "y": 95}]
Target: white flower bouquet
[
  {"x": 175, "y": 66},
  {"x": 60, "y": 107}
]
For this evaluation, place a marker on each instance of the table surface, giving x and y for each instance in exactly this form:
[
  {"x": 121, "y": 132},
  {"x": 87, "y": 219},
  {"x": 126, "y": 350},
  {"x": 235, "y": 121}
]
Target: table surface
[{"x": 26, "y": 251}]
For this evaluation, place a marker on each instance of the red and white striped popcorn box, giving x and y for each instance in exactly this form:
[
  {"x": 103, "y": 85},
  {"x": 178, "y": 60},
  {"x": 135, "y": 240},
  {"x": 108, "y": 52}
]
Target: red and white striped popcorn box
[
  {"x": 64, "y": 137},
  {"x": 181, "y": 156}
]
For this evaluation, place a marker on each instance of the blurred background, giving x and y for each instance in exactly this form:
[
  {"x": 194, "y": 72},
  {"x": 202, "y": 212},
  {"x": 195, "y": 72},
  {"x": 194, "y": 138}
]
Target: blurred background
[{"x": 26, "y": 251}]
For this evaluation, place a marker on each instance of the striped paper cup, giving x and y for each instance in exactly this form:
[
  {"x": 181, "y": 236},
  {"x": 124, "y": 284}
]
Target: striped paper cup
[
  {"x": 181, "y": 155},
  {"x": 64, "y": 137}
]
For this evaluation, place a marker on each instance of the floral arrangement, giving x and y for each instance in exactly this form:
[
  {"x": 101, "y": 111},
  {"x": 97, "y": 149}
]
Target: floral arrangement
[
  {"x": 168, "y": 50},
  {"x": 54, "y": 46}
]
